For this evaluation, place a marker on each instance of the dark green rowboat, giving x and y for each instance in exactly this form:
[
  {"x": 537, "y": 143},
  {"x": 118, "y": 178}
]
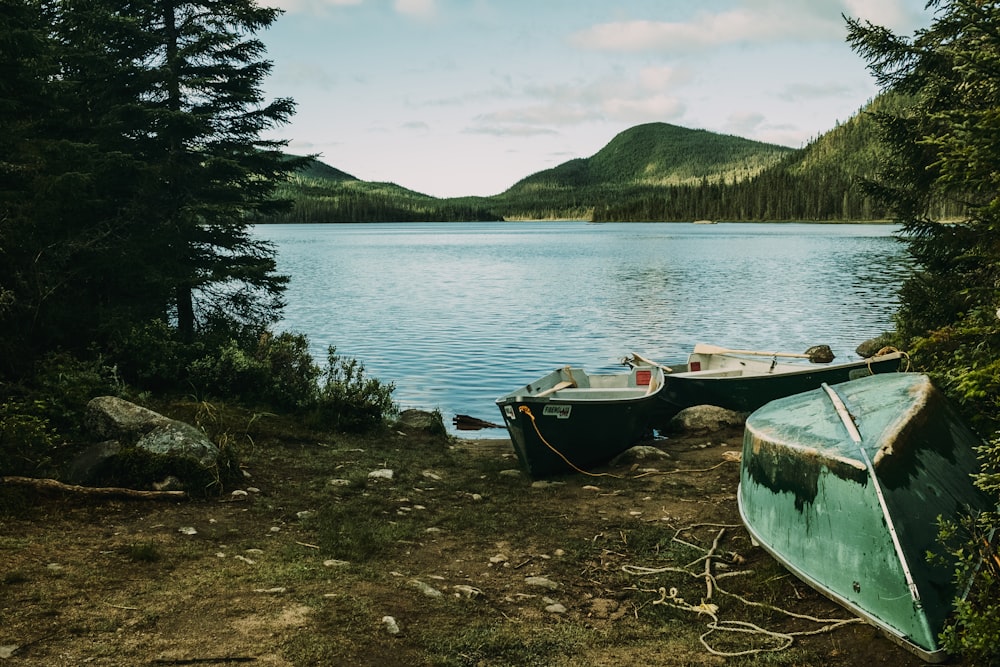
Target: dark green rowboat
[
  {"x": 571, "y": 420},
  {"x": 843, "y": 485},
  {"x": 744, "y": 380}
]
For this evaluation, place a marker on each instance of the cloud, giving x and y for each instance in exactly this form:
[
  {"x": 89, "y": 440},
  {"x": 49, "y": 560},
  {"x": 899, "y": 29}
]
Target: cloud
[
  {"x": 419, "y": 8},
  {"x": 765, "y": 23},
  {"x": 888, "y": 13},
  {"x": 799, "y": 91},
  {"x": 643, "y": 109}
]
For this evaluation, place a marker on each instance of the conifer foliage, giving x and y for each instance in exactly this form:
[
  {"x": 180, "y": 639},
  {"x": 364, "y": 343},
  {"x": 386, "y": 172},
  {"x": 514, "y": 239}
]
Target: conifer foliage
[
  {"x": 133, "y": 166},
  {"x": 946, "y": 150}
]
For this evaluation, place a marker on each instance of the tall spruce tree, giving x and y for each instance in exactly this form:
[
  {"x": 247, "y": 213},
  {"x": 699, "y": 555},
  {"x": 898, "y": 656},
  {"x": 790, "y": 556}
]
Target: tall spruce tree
[
  {"x": 215, "y": 174},
  {"x": 947, "y": 158}
]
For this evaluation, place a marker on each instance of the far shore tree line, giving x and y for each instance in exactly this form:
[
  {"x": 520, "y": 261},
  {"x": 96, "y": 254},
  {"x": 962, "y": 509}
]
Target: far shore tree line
[{"x": 132, "y": 168}]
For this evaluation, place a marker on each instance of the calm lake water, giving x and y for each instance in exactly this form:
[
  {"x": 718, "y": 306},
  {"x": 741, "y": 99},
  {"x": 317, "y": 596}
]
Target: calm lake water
[{"x": 458, "y": 314}]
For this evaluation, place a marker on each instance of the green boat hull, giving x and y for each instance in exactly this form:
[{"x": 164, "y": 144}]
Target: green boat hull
[
  {"x": 575, "y": 429},
  {"x": 746, "y": 393},
  {"x": 808, "y": 496}
]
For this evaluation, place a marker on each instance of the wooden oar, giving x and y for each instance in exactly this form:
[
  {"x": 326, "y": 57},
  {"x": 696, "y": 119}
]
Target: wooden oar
[
  {"x": 704, "y": 348},
  {"x": 565, "y": 384},
  {"x": 641, "y": 360}
]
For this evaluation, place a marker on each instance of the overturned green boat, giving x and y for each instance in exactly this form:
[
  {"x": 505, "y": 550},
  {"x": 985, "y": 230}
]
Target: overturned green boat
[{"x": 844, "y": 485}]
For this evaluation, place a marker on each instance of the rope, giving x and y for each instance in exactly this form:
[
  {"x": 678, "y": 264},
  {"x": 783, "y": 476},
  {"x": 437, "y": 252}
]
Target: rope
[
  {"x": 888, "y": 349},
  {"x": 526, "y": 410},
  {"x": 671, "y": 598}
]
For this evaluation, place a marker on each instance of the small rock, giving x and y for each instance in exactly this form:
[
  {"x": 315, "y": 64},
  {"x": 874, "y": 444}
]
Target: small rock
[
  {"x": 275, "y": 529},
  {"x": 383, "y": 473},
  {"x": 426, "y": 589},
  {"x": 169, "y": 483},
  {"x": 433, "y": 529},
  {"x": 7, "y": 651},
  {"x": 541, "y": 582},
  {"x": 431, "y": 475},
  {"x": 305, "y": 514},
  {"x": 556, "y": 609},
  {"x": 339, "y": 482},
  {"x": 820, "y": 354},
  {"x": 499, "y": 558},
  {"x": 391, "y": 626},
  {"x": 54, "y": 567},
  {"x": 187, "y": 530},
  {"x": 334, "y": 562},
  {"x": 238, "y": 493},
  {"x": 591, "y": 487},
  {"x": 461, "y": 590},
  {"x": 253, "y": 489},
  {"x": 510, "y": 472},
  {"x": 545, "y": 484},
  {"x": 705, "y": 418},
  {"x": 640, "y": 453}
]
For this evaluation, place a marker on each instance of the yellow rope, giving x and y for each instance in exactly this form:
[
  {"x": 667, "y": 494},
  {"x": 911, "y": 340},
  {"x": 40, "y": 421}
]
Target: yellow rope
[
  {"x": 887, "y": 350},
  {"x": 526, "y": 410}
]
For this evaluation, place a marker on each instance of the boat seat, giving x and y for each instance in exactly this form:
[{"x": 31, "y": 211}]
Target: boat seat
[
  {"x": 721, "y": 373},
  {"x": 598, "y": 392}
]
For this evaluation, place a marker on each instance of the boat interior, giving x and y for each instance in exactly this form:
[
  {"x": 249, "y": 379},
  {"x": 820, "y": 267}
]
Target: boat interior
[{"x": 576, "y": 384}]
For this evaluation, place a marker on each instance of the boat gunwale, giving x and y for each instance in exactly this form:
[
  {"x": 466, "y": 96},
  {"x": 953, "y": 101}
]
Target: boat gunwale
[{"x": 784, "y": 369}]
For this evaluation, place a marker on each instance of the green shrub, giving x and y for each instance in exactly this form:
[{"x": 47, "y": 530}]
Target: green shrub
[
  {"x": 152, "y": 356},
  {"x": 350, "y": 401},
  {"x": 64, "y": 384},
  {"x": 974, "y": 629},
  {"x": 275, "y": 370},
  {"x": 27, "y": 442}
]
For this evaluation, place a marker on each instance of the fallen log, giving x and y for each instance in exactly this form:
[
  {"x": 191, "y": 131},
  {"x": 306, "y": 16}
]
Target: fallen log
[{"x": 93, "y": 491}]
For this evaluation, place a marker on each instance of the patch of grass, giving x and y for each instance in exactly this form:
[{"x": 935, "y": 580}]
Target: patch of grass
[
  {"x": 14, "y": 577},
  {"x": 361, "y": 527},
  {"x": 143, "y": 552},
  {"x": 504, "y": 644}
]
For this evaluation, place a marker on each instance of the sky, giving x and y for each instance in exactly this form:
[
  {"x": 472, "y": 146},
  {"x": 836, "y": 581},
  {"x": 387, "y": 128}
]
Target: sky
[{"x": 467, "y": 97}]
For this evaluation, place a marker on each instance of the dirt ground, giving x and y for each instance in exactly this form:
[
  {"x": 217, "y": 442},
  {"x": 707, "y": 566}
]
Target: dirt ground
[{"x": 455, "y": 560}]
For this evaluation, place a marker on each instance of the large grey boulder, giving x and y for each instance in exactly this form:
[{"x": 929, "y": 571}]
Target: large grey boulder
[
  {"x": 112, "y": 418},
  {"x": 168, "y": 446}
]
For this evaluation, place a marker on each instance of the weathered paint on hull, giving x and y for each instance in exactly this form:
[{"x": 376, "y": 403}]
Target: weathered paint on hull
[
  {"x": 587, "y": 434},
  {"x": 747, "y": 393},
  {"x": 807, "y": 497}
]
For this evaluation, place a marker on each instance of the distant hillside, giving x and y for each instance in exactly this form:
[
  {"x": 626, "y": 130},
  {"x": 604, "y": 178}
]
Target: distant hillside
[
  {"x": 661, "y": 154},
  {"x": 653, "y": 155},
  {"x": 649, "y": 172},
  {"x": 821, "y": 182},
  {"x": 322, "y": 193}
]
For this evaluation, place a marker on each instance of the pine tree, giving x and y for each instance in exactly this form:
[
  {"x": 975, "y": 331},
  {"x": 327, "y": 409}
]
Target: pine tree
[
  {"x": 946, "y": 150},
  {"x": 216, "y": 174}
]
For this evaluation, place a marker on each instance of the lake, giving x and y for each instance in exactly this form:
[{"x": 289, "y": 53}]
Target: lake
[{"x": 456, "y": 314}]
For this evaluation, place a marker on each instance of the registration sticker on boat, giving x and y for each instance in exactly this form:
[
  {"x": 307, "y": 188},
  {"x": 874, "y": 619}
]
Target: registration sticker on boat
[
  {"x": 508, "y": 410},
  {"x": 557, "y": 411}
]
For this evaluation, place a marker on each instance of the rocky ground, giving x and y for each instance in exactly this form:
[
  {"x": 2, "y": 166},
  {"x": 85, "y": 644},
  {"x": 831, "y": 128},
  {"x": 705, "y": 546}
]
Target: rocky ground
[{"x": 413, "y": 549}]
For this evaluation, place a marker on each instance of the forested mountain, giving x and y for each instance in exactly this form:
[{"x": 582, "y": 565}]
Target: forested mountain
[
  {"x": 324, "y": 194},
  {"x": 650, "y": 172}
]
